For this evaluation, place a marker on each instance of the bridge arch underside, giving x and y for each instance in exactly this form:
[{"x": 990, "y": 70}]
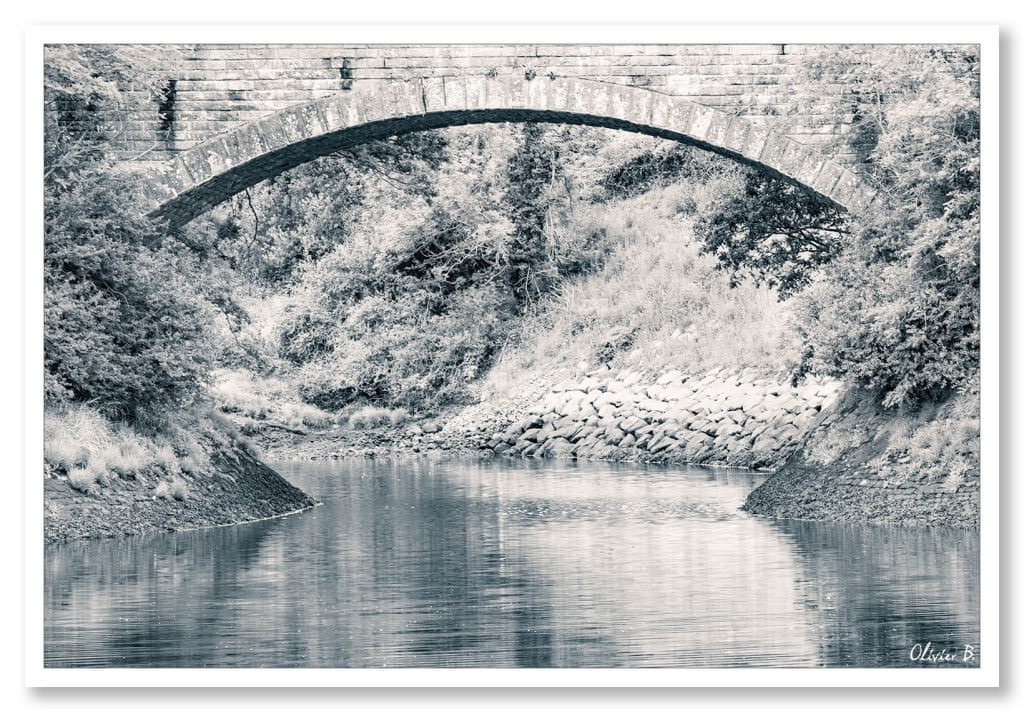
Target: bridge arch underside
[{"x": 212, "y": 172}]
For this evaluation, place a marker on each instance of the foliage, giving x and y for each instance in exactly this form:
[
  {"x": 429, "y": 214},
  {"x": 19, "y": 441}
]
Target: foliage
[
  {"x": 87, "y": 92},
  {"x": 655, "y": 168},
  {"x": 773, "y": 231},
  {"x": 370, "y": 417},
  {"x": 176, "y": 488},
  {"x": 300, "y": 216},
  {"x": 265, "y": 400},
  {"x": 655, "y": 303},
  {"x": 899, "y": 311},
  {"x": 416, "y": 301},
  {"x": 125, "y": 329}
]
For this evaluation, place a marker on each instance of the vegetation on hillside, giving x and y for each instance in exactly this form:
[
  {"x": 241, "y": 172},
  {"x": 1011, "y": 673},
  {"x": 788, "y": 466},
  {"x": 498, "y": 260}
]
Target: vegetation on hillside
[
  {"x": 396, "y": 276},
  {"x": 126, "y": 335},
  {"x": 898, "y": 309}
]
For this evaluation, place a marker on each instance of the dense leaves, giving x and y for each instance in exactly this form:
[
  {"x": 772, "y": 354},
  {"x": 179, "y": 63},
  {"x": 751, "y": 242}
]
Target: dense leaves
[
  {"x": 899, "y": 312},
  {"x": 652, "y": 169},
  {"x": 416, "y": 299},
  {"x": 125, "y": 330},
  {"x": 773, "y": 231}
]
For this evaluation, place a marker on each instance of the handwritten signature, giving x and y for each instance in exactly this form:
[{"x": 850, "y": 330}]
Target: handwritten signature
[{"x": 928, "y": 653}]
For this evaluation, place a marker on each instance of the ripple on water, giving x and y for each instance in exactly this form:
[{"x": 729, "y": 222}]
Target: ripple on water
[{"x": 494, "y": 564}]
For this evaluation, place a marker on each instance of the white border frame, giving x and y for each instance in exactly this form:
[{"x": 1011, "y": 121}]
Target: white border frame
[{"x": 987, "y": 36}]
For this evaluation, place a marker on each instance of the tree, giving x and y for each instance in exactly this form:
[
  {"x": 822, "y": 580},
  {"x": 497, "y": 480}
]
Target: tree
[
  {"x": 772, "y": 231},
  {"x": 898, "y": 311},
  {"x": 124, "y": 330}
]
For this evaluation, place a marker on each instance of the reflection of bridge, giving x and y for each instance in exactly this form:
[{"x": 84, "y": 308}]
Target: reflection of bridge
[{"x": 241, "y": 114}]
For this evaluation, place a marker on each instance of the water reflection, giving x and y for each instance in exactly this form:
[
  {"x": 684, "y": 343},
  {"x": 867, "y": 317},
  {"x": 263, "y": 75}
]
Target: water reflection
[
  {"x": 463, "y": 563},
  {"x": 911, "y": 587}
]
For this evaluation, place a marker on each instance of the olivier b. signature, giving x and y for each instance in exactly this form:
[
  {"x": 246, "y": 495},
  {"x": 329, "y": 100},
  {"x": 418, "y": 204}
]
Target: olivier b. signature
[{"x": 928, "y": 653}]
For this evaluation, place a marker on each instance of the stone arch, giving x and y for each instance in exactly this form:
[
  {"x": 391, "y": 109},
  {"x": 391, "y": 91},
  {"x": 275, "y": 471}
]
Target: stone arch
[{"x": 209, "y": 173}]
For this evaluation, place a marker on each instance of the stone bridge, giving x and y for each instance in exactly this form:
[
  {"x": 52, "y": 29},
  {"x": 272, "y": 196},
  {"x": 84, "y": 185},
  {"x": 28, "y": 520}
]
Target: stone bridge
[{"x": 238, "y": 114}]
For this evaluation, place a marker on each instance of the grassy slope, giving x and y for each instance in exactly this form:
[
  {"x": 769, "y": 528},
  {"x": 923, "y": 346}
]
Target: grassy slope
[
  {"x": 656, "y": 303},
  {"x": 107, "y": 479}
]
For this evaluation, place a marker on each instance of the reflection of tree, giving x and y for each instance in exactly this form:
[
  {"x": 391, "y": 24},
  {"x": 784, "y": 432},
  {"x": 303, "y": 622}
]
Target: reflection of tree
[
  {"x": 880, "y": 590},
  {"x": 172, "y": 576}
]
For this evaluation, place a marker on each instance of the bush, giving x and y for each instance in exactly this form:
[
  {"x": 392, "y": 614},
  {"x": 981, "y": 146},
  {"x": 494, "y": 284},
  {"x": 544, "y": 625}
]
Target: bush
[
  {"x": 657, "y": 168},
  {"x": 899, "y": 311},
  {"x": 306, "y": 338},
  {"x": 124, "y": 329},
  {"x": 177, "y": 489},
  {"x": 373, "y": 417},
  {"x": 85, "y": 479}
]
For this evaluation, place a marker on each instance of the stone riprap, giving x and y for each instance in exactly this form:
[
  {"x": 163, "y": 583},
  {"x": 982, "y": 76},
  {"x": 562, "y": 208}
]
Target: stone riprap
[{"x": 742, "y": 419}]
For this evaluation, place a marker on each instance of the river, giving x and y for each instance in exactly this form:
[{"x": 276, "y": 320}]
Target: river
[{"x": 427, "y": 562}]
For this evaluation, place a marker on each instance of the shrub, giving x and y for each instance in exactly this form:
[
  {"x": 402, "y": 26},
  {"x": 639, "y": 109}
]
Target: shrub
[
  {"x": 305, "y": 338},
  {"x": 899, "y": 311},
  {"x": 657, "y": 168},
  {"x": 85, "y": 479},
  {"x": 370, "y": 417},
  {"x": 176, "y": 488},
  {"x": 124, "y": 330}
]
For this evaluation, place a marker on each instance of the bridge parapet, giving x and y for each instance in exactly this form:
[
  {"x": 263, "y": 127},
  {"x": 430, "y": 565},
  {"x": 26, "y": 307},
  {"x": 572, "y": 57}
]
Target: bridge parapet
[{"x": 219, "y": 87}]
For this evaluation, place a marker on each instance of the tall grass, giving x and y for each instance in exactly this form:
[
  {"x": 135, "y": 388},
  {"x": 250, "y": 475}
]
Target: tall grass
[
  {"x": 93, "y": 451},
  {"x": 268, "y": 399},
  {"x": 656, "y": 302},
  {"x": 373, "y": 417}
]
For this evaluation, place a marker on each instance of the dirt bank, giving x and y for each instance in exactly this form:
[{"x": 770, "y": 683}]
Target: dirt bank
[
  {"x": 238, "y": 489},
  {"x": 866, "y": 464}
]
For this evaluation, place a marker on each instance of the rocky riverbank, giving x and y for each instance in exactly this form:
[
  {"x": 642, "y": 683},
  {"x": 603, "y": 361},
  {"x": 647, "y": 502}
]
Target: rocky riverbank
[
  {"x": 834, "y": 454},
  {"x": 738, "y": 418},
  {"x": 866, "y": 464},
  {"x": 238, "y": 489},
  {"x": 728, "y": 417}
]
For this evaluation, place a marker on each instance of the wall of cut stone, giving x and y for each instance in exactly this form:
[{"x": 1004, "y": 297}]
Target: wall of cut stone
[{"x": 219, "y": 87}]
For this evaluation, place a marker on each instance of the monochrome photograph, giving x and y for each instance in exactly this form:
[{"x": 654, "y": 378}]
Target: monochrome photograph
[{"x": 500, "y": 354}]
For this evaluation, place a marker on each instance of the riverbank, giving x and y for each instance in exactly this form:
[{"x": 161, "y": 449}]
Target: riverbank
[
  {"x": 739, "y": 418},
  {"x": 230, "y": 486},
  {"x": 834, "y": 454},
  {"x": 864, "y": 464}
]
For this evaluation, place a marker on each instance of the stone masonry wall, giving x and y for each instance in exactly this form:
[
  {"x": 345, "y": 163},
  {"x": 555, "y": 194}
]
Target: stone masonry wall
[
  {"x": 219, "y": 87},
  {"x": 737, "y": 418}
]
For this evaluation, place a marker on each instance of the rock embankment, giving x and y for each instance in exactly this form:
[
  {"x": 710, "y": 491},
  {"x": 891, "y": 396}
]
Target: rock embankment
[
  {"x": 738, "y": 418},
  {"x": 238, "y": 489},
  {"x": 867, "y": 464}
]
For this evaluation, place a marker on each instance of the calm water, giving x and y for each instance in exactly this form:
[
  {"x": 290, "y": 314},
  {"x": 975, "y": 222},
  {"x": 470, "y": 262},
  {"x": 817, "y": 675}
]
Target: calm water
[{"x": 466, "y": 563}]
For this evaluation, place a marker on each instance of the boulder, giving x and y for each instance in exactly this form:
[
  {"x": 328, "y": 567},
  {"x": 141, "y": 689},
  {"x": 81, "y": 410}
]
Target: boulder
[
  {"x": 631, "y": 425},
  {"x": 662, "y": 444},
  {"x": 533, "y": 435},
  {"x": 670, "y": 377},
  {"x": 558, "y": 447},
  {"x": 613, "y": 436},
  {"x": 654, "y": 406}
]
